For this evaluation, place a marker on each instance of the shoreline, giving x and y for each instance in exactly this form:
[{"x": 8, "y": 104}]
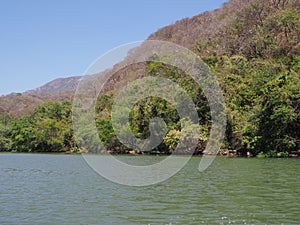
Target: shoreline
[{"x": 221, "y": 154}]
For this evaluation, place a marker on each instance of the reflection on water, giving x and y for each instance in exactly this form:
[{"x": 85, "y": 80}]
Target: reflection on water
[{"x": 62, "y": 189}]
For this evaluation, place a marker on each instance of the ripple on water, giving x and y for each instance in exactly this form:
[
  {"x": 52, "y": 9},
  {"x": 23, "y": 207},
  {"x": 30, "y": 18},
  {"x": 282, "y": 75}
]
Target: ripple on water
[{"x": 58, "y": 189}]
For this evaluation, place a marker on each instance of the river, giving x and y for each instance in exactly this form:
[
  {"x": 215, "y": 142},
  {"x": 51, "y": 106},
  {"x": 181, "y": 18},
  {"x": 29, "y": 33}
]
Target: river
[{"x": 63, "y": 189}]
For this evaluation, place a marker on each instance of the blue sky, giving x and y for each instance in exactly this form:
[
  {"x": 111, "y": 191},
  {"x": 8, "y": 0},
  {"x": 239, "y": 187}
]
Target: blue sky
[{"x": 42, "y": 40}]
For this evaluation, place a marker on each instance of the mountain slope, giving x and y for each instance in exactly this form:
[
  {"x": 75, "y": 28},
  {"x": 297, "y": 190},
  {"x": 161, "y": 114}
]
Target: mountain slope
[
  {"x": 21, "y": 104},
  {"x": 253, "y": 48},
  {"x": 18, "y": 105},
  {"x": 252, "y": 28},
  {"x": 60, "y": 85}
]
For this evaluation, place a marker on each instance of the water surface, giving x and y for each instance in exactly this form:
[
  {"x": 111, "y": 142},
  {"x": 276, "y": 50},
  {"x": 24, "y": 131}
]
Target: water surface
[{"x": 62, "y": 189}]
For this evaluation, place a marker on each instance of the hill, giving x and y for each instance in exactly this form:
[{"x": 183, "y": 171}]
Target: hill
[
  {"x": 60, "y": 85},
  {"x": 252, "y": 46},
  {"x": 20, "y": 104},
  {"x": 251, "y": 28}
]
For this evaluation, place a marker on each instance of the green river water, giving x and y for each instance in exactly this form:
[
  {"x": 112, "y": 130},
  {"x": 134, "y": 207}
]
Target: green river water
[{"x": 63, "y": 189}]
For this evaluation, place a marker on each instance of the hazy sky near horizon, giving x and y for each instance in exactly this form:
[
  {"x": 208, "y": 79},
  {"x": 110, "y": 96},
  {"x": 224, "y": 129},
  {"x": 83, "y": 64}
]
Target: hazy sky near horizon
[{"x": 45, "y": 40}]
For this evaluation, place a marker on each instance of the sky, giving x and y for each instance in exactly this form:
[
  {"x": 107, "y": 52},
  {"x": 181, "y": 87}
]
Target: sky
[{"x": 44, "y": 40}]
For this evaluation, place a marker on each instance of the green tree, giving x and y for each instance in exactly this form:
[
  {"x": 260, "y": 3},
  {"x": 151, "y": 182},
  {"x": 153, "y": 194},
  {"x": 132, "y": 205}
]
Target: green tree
[
  {"x": 48, "y": 129},
  {"x": 5, "y": 133},
  {"x": 279, "y": 126}
]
